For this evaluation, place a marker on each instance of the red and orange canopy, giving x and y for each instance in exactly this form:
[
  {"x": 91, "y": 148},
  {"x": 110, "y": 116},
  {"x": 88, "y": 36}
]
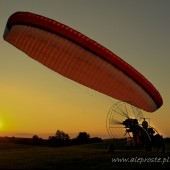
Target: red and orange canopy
[{"x": 81, "y": 59}]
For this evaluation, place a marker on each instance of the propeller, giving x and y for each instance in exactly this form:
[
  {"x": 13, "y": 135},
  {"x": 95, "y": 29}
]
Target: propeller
[{"x": 116, "y": 122}]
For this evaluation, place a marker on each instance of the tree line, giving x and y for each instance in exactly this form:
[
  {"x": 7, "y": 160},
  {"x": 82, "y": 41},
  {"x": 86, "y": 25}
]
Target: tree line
[{"x": 60, "y": 138}]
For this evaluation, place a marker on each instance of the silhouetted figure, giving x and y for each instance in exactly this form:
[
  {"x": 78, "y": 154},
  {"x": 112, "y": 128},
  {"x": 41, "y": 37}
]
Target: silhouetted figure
[{"x": 149, "y": 130}]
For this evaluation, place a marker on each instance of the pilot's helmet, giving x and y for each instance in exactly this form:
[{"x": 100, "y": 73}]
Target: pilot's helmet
[{"x": 145, "y": 124}]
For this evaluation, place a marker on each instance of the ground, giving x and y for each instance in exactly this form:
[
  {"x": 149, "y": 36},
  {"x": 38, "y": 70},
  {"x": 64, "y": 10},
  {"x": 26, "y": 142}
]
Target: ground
[{"x": 87, "y": 156}]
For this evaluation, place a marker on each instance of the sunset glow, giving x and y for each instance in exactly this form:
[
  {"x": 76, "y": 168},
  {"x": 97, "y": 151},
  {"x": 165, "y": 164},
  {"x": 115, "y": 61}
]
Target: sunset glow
[{"x": 36, "y": 100}]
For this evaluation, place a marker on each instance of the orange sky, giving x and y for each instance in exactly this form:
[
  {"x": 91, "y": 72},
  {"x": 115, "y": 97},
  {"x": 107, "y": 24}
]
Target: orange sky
[{"x": 36, "y": 100}]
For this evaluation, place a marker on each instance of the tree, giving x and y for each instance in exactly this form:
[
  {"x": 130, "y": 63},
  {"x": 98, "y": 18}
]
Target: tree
[
  {"x": 60, "y": 139},
  {"x": 83, "y": 137},
  {"x": 52, "y": 141},
  {"x": 37, "y": 140},
  {"x": 60, "y": 135}
]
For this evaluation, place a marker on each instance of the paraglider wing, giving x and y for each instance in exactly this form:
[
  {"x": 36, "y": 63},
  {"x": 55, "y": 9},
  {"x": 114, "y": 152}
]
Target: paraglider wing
[{"x": 81, "y": 59}]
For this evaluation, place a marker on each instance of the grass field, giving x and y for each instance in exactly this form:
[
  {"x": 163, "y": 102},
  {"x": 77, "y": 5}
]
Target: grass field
[{"x": 88, "y": 156}]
